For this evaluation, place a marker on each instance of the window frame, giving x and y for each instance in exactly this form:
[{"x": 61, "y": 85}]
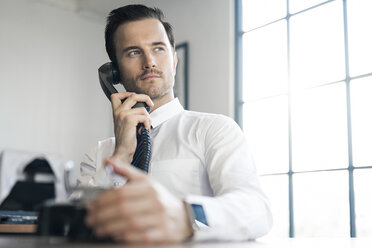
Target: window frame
[{"x": 239, "y": 102}]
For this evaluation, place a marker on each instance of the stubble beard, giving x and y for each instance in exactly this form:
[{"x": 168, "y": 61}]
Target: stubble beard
[{"x": 149, "y": 88}]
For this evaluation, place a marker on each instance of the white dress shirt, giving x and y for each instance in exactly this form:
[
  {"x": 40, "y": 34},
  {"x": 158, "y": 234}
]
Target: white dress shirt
[{"x": 204, "y": 159}]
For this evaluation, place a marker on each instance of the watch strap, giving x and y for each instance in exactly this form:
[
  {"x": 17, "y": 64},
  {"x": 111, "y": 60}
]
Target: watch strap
[{"x": 196, "y": 216}]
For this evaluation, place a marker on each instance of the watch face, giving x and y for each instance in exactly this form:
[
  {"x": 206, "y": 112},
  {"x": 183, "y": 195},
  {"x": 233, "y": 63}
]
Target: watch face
[{"x": 199, "y": 213}]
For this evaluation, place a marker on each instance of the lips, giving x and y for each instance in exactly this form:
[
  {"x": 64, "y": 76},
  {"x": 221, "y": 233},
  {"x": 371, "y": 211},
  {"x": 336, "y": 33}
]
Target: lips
[{"x": 150, "y": 76}]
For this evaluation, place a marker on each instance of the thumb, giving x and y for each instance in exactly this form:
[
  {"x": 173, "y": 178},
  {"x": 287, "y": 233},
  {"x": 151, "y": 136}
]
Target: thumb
[{"x": 125, "y": 170}]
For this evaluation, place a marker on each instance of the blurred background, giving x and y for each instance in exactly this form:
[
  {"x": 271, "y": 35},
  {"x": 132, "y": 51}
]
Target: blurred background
[{"x": 296, "y": 75}]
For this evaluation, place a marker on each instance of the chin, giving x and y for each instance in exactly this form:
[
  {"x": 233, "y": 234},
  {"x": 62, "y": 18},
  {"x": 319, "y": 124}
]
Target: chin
[
  {"x": 154, "y": 89},
  {"x": 155, "y": 96},
  {"x": 156, "y": 93}
]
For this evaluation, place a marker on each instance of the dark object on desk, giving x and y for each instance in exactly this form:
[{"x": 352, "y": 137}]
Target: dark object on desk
[
  {"x": 27, "y": 195},
  {"x": 18, "y": 222},
  {"x": 65, "y": 220},
  {"x": 18, "y": 217}
]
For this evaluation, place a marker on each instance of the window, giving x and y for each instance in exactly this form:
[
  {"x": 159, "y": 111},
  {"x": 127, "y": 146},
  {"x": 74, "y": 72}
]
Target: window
[{"x": 304, "y": 100}]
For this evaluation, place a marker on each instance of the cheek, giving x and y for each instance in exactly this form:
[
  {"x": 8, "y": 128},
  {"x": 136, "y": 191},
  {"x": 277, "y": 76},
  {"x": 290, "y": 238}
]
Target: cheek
[
  {"x": 168, "y": 66},
  {"x": 126, "y": 71}
]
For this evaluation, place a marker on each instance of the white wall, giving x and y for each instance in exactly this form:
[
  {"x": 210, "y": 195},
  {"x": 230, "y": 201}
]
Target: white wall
[
  {"x": 208, "y": 26},
  {"x": 50, "y": 99}
]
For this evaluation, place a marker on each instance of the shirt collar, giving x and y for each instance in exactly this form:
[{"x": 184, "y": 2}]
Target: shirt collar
[{"x": 165, "y": 112}]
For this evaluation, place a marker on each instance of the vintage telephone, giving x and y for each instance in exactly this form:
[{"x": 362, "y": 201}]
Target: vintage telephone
[
  {"x": 67, "y": 219},
  {"x": 108, "y": 77}
]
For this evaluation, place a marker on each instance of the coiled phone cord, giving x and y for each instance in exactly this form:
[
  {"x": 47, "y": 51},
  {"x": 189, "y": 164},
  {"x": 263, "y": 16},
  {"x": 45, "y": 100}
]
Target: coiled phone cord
[{"x": 142, "y": 155}]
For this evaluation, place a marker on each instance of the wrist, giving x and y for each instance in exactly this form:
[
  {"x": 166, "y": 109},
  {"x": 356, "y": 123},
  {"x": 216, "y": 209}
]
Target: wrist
[
  {"x": 196, "y": 216},
  {"x": 188, "y": 219},
  {"x": 122, "y": 156}
]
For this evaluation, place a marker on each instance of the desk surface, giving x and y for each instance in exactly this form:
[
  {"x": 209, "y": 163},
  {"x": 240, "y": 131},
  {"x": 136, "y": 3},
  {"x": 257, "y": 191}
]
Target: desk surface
[
  {"x": 18, "y": 228},
  {"x": 34, "y": 241}
]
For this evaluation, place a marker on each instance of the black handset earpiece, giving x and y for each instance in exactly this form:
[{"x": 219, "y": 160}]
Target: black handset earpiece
[
  {"x": 115, "y": 73},
  {"x": 109, "y": 76}
]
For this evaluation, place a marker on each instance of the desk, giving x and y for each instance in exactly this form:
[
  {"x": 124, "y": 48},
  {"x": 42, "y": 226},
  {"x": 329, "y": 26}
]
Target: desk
[
  {"x": 45, "y": 242},
  {"x": 18, "y": 228}
]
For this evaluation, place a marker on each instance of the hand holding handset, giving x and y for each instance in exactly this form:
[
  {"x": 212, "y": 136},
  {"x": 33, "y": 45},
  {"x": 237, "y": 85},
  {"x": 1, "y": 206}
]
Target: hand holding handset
[{"x": 108, "y": 77}]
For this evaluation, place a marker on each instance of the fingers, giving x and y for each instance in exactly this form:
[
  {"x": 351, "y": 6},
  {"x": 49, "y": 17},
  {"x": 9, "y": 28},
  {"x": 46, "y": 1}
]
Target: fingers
[
  {"x": 147, "y": 124},
  {"x": 131, "y": 100},
  {"x": 117, "y": 97},
  {"x": 132, "y": 191},
  {"x": 138, "y": 211},
  {"x": 122, "y": 111},
  {"x": 119, "y": 227},
  {"x": 131, "y": 215},
  {"x": 134, "y": 117},
  {"x": 130, "y": 207},
  {"x": 148, "y": 236},
  {"x": 129, "y": 172}
]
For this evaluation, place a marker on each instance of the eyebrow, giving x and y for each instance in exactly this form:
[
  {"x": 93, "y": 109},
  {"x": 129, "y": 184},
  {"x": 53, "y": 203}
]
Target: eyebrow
[
  {"x": 137, "y": 47},
  {"x": 158, "y": 43},
  {"x": 130, "y": 48}
]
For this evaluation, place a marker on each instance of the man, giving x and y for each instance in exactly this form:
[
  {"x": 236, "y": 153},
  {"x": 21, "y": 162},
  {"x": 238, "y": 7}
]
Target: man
[{"x": 201, "y": 184}]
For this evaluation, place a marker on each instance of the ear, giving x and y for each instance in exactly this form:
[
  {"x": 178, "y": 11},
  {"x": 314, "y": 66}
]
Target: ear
[{"x": 175, "y": 61}]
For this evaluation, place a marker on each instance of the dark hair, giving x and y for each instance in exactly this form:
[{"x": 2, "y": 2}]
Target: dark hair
[{"x": 134, "y": 12}]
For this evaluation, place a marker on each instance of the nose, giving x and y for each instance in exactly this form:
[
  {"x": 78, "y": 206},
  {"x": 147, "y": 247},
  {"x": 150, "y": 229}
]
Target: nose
[{"x": 148, "y": 61}]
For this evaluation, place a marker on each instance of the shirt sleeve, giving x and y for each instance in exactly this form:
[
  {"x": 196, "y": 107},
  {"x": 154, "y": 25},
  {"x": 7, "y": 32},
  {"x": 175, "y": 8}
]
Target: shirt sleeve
[{"x": 239, "y": 209}]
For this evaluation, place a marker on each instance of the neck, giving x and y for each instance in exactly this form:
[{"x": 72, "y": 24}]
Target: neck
[{"x": 161, "y": 101}]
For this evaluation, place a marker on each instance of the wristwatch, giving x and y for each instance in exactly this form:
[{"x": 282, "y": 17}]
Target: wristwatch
[{"x": 196, "y": 215}]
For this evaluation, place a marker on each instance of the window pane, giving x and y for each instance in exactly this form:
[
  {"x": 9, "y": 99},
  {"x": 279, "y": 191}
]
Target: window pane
[
  {"x": 321, "y": 204},
  {"x": 266, "y": 125},
  {"x": 265, "y": 61},
  {"x": 363, "y": 201},
  {"x": 317, "y": 46},
  {"x": 360, "y": 36},
  {"x": 257, "y": 13},
  {"x": 319, "y": 128},
  {"x": 361, "y": 117},
  {"x": 298, "y": 5},
  {"x": 276, "y": 189}
]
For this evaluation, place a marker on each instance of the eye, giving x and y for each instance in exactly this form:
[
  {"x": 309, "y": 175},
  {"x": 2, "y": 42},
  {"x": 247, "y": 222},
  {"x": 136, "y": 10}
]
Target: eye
[
  {"x": 159, "y": 49},
  {"x": 134, "y": 53}
]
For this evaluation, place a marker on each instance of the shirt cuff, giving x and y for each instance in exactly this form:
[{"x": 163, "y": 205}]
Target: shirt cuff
[{"x": 200, "y": 210}]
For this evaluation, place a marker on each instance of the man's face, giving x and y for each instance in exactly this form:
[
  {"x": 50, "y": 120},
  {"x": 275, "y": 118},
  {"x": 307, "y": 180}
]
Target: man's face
[{"x": 146, "y": 60}]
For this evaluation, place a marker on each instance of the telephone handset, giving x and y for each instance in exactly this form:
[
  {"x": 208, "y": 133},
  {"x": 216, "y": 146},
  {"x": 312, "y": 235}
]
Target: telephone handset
[{"x": 108, "y": 77}]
